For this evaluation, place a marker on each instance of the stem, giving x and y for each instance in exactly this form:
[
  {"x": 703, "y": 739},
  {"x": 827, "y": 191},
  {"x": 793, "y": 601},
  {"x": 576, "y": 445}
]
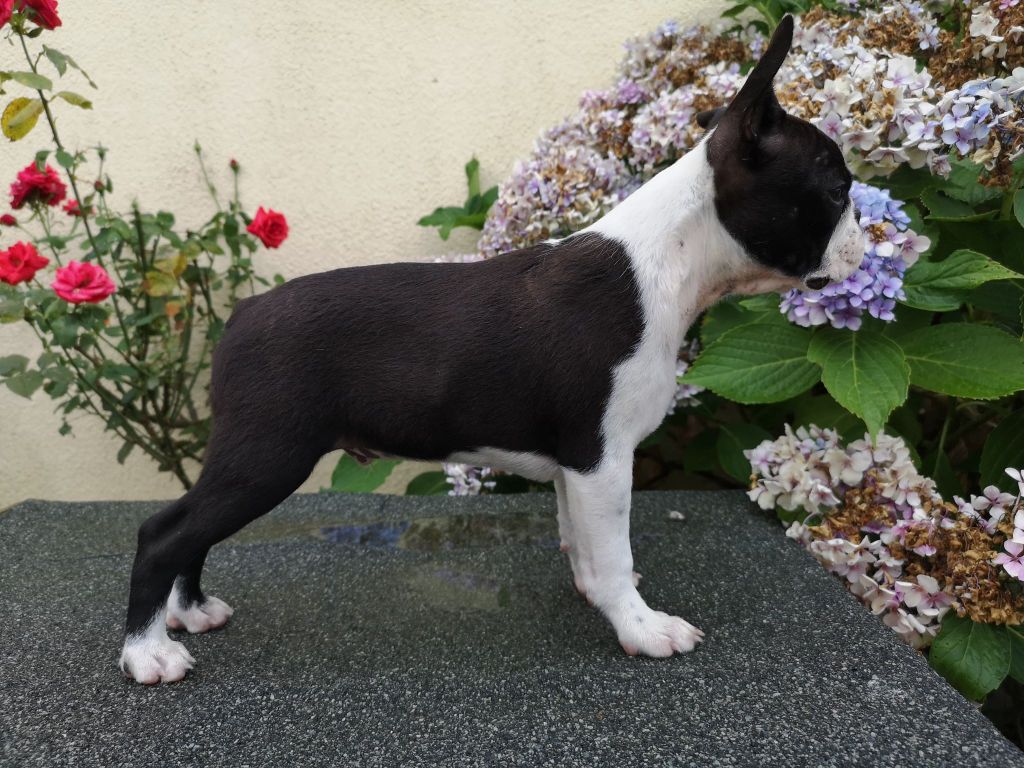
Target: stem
[
  {"x": 60, "y": 146},
  {"x": 942, "y": 441}
]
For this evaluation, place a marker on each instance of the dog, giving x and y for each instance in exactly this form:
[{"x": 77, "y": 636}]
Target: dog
[{"x": 552, "y": 362}]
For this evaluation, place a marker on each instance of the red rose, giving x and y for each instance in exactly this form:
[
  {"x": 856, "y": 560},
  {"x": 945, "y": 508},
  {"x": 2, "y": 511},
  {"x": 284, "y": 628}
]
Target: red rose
[
  {"x": 20, "y": 262},
  {"x": 269, "y": 226},
  {"x": 6, "y": 8},
  {"x": 8, "y": 221},
  {"x": 72, "y": 209},
  {"x": 82, "y": 282},
  {"x": 44, "y": 12},
  {"x": 33, "y": 185}
]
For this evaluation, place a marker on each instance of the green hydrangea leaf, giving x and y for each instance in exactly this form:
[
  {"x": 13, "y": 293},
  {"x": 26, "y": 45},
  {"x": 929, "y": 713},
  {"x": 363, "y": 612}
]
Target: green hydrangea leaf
[
  {"x": 864, "y": 371},
  {"x": 757, "y": 363},
  {"x": 973, "y": 657},
  {"x": 733, "y": 439},
  {"x": 942, "y": 286},
  {"x": 1004, "y": 448},
  {"x": 964, "y": 360},
  {"x": 352, "y": 477}
]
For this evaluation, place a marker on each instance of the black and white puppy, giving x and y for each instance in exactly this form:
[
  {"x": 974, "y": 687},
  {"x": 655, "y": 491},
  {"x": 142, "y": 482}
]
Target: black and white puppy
[{"x": 552, "y": 362}]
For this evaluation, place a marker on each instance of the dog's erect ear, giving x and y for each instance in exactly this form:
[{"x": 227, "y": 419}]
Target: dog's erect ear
[
  {"x": 709, "y": 118},
  {"x": 755, "y": 106}
]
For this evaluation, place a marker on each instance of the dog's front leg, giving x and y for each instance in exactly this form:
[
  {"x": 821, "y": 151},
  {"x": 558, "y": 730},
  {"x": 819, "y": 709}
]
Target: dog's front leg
[{"x": 598, "y": 503}]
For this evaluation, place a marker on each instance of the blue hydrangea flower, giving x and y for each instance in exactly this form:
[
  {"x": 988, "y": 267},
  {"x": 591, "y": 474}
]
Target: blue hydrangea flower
[{"x": 877, "y": 284}]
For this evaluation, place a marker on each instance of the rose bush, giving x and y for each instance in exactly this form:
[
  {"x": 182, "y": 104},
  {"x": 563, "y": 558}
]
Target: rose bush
[{"x": 134, "y": 304}]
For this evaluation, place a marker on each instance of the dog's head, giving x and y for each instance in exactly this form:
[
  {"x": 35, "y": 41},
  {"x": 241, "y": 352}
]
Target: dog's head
[{"x": 782, "y": 188}]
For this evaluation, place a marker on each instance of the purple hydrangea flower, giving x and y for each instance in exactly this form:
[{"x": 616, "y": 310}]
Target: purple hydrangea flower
[{"x": 877, "y": 284}]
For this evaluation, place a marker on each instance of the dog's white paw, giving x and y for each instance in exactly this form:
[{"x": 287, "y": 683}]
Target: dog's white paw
[
  {"x": 653, "y": 633},
  {"x": 213, "y": 613},
  {"x": 150, "y": 659}
]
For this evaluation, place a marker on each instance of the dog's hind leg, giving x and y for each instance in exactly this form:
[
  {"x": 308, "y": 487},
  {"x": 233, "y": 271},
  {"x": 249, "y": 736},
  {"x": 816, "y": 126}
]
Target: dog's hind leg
[{"x": 242, "y": 479}]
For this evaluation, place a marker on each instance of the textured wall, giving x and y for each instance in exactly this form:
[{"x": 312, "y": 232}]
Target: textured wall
[{"x": 353, "y": 118}]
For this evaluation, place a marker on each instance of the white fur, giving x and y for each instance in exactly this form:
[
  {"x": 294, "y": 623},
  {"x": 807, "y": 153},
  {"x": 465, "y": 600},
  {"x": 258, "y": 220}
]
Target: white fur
[
  {"x": 532, "y": 466},
  {"x": 683, "y": 260},
  {"x": 151, "y": 657},
  {"x": 213, "y": 613},
  {"x": 845, "y": 250}
]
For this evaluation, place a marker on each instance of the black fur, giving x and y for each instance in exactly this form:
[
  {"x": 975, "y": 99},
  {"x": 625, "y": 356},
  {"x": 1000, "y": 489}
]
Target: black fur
[
  {"x": 413, "y": 360},
  {"x": 781, "y": 185}
]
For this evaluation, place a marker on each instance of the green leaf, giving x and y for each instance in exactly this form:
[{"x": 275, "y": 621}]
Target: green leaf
[
  {"x": 447, "y": 219},
  {"x": 1016, "y": 634},
  {"x": 864, "y": 371},
  {"x": 973, "y": 657},
  {"x": 159, "y": 283},
  {"x": 943, "y": 208},
  {"x": 1004, "y": 448},
  {"x": 962, "y": 183},
  {"x": 58, "y": 59},
  {"x": 352, "y": 477},
  {"x": 31, "y": 80},
  {"x": 61, "y": 61},
  {"x": 20, "y": 117},
  {"x": 757, "y": 363},
  {"x": 428, "y": 484},
  {"x": 1018, "y": 206},
  {"x": 964, "y": 360},
  {"x": 473, "y": 177},
  {"x": 74, "y": 99},
  {"x": 906, "y": 183},
  {"x": 25, "y": 383},
  {"x": 943, "y": 286},
  {"x": 123, "y": 452},
  {"x": 12, "y": 364},
  {"x": 733, "y": 439},
  {"x": 65, "y": 159},
  {"x": 823, "y": 411}
]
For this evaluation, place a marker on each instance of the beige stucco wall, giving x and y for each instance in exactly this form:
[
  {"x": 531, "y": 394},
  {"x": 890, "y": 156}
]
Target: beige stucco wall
[{"x": 353, "y": 118}]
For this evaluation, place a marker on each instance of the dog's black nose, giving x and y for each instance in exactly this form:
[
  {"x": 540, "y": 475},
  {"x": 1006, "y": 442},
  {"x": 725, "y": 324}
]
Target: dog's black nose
[{"x": 816, "y": 283}]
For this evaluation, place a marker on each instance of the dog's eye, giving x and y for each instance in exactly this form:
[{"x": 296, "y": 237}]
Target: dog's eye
[{"x": 838, "y": 194}]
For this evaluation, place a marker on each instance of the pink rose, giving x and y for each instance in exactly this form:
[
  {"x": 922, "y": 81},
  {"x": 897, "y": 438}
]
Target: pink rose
[
  {"x": 269, "y": 226},
  {"x": 20, "y": 262},
  {"x": 83, "y": 282}
]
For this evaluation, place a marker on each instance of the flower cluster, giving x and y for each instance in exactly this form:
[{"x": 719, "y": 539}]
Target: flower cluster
[
  {"x": 85, "y": 282},
  {"x": 686, "y": 393},
  {"x": 891, "y": 248},
  {"x": 466, "y": 480},
  {"x": 37, "y": 186},
  {"x": 856, "y": 78},
  {"x": 20, "y": 262},
  {"x": 866, "y": 514},
  {"x": 42, "y": 12}
]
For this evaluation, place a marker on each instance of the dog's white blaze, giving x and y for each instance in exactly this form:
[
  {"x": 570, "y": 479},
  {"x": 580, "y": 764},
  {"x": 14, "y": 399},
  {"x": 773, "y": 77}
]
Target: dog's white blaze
[{"x": 845, "y": 250}]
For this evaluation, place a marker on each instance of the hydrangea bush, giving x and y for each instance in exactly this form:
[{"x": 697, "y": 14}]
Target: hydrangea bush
[
  {"x": 943, "y": 574},
  {"x": 127, "y": 307},
  {"x": 915, "y": 363}
]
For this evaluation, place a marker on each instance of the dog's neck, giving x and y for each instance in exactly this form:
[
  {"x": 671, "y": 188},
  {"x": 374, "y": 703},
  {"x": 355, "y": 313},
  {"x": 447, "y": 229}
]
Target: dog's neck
[{"x": 683, "y": 258}]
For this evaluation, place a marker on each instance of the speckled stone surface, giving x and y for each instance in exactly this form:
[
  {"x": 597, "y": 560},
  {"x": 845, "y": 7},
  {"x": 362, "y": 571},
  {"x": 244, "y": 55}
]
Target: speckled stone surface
[{"x": 387, "y": 631}]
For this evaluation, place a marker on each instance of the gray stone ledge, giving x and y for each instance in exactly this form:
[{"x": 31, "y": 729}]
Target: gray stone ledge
[{"x": 382, "y": 631}]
